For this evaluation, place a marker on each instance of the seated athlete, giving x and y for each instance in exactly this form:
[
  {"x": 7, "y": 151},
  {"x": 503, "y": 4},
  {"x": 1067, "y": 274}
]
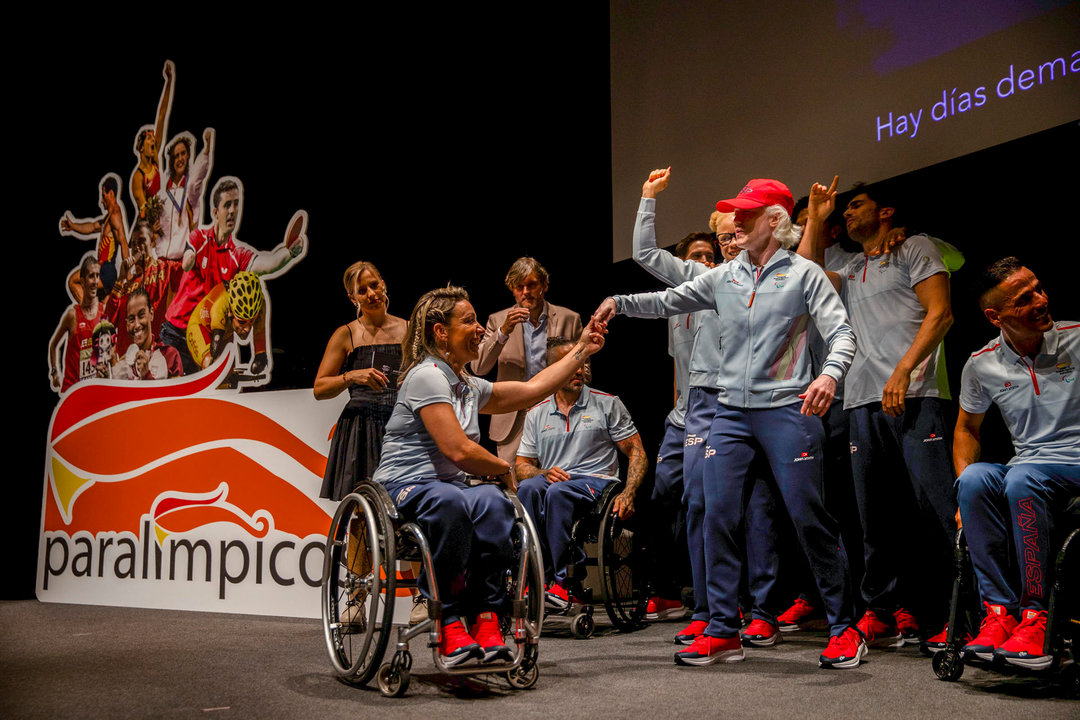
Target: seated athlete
[
  {"x": 233, "y": 308},
  {"x": 1030, "y": 373},
  {"x": 431, "y": 443},
  {"x": 567, "y": 455}
]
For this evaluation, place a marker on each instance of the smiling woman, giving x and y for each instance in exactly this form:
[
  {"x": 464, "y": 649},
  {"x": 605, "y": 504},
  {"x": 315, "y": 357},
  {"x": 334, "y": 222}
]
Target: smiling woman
[
  {"x": 432, "y": 442},
  {"x": 363, "y": 357}
]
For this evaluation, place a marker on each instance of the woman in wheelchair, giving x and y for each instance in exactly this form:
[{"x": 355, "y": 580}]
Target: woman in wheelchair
[{"x": 429, "y": 449}]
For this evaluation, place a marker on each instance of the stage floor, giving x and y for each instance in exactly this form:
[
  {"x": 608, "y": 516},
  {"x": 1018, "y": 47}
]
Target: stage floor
[{"x": 85, "y": 661}]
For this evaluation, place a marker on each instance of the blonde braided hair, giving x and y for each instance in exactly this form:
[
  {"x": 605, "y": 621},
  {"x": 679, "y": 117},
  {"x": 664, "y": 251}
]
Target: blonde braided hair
[{"x": 435, "y": 306}]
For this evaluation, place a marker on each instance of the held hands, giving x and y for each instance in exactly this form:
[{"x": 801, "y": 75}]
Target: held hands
[
  {"x": 623, "y": 505},
  {"x": 822, "y": 200},
  {"x": 592, "y": 337},
  {"x": 369, "y": 377},
  {"x": 818, "y": 396},
  {"x": 658, "y": 180},
  {"x": 604, "y": 313},
  {"x": 555, "y": 474},
  {"x": 516, "y": 316}
]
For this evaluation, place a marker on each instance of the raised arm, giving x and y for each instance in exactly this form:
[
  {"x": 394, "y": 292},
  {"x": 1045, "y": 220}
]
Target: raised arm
[
  {"x": 661, "y": 264},
  {"x": 934, "y": 295},
  {"x": 812, "y": 247},
  {"x": 967, "y": 442},
  {"x": 638, "y": 463},
  {"x": 161, "y": 122},
  {"x": 508, "y": 396},
  {"x": 445, "y": 429},
  {"x": 83, "y": 229}
]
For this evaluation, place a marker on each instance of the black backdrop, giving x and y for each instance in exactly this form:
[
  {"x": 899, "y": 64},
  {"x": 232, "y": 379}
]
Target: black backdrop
[{"x": 438, "y": 148}]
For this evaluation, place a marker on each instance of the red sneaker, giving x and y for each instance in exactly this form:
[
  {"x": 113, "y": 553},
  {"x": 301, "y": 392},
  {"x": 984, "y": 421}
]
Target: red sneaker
[
  {"x": 844, "y": 650},
  {"x": 691, "y": 632},
  {"x": 707, "y": 650},
  {"x": 457, "y": 646},
  {"x": 877, "y": 632},
  {"x": 761, "y": 634},
  {"x": 996, "y": 628},
  {"x": 489, "y": 637},
  {"x": 939, "y": 642},
  {"x": 1025, "y": 647},
  {"x": 907, "y": 626},
  {"x": 797, "y": 617},
  {"x": 556, "y": 597},
  {"x": 660, "y": 609}
]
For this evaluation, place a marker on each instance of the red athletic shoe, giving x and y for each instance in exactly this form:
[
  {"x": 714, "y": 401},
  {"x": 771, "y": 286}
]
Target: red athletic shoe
[
  {"x": 997, "y": 627},
  {"x": 1025, "y": 647},
  {"x": 939, "y": 642},
  {"x": 557, "y": 598},
  {"x": 457, "y": 646},
  {"x": 844, "y": 650},
  {"x": 907, "y": 626},
  {"x": 691, "y": 632},
  {"x": 797, "y": 617},
  {"x": 760, "y": 634},
  {"x": 707, "y": 650},
  {"x": 660, "y": 609},
  {"x": 489, "y": 637},
  {"x": 877, "y": 632}
]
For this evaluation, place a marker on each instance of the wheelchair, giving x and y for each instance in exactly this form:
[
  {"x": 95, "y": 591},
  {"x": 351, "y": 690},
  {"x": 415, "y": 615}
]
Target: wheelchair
[
  {"x": 361, "y": 587},
  {"x": 1062, "y": 617},
  {"x": 610, "y": 566}
]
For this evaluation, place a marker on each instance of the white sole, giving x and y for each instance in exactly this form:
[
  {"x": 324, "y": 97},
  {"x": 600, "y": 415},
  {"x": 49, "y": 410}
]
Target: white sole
[
  {"x": 847, "y": 664},
  {"x": 727, "y": 656}
]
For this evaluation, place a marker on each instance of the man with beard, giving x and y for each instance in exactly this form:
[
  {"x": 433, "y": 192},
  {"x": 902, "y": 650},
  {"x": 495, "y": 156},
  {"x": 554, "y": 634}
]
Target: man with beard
[
  {"x": 1030, "y": 372},
  {"x": 896, "y": 393},
  {"x": 567, "y": 457},
  {"x": 516, "y": 339}
]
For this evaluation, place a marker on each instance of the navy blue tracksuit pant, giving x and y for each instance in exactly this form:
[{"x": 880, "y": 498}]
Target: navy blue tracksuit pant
[
  {"x": 793, "y": 444},
  {"x": 469, "y": 531}
]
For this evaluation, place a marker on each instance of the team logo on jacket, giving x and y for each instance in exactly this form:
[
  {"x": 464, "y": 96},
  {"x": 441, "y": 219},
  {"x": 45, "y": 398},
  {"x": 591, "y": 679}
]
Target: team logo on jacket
[
  {"x": 1006, "y": 387},
  {"x": 1066, "y": 371},
  {"x": 733, "y": 281},
  {"x": 803, "y": 457},
  {"x": 709, "y": 452},
  {"x": 781, "y": 279},
  {"x": 692, "y": 440},
  {"x": 854, "y": 447},
  {"x": 404, "y": 494},
  {"x": 934, "y": 437}
]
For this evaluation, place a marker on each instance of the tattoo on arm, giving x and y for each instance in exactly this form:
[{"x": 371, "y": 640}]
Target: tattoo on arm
[
  {"x": 526, "y": 468},
  {"x": 638, "y": 462}
]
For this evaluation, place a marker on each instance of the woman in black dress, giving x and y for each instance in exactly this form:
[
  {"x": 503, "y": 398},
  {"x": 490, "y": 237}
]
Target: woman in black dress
[{"x": 364, "y": 357}]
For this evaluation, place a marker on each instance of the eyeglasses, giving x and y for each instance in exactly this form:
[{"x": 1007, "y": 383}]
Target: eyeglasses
[{"x": 724, "y": 238}]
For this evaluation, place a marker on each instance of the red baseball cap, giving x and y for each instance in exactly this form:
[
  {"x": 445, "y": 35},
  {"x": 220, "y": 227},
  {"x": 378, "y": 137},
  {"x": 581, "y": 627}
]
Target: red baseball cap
[{"x": 759, "y": 193}]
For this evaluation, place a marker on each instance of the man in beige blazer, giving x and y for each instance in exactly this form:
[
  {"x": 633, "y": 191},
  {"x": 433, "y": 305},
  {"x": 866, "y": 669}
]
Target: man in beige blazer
[{"x": 516, "y": 339}]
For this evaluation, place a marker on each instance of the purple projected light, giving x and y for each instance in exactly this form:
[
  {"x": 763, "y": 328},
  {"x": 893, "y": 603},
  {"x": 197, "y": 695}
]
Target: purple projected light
[{"x": 925, "y": 29}]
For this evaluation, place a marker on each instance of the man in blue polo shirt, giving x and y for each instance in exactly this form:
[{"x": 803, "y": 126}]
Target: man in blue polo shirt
[
  {"x": 1031, "y": 372},
  {"x": 568, "y": 456}
]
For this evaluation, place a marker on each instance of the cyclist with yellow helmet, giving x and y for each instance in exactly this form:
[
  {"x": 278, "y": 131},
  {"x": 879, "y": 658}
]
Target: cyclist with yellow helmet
[{"x": 236, "y": 307}]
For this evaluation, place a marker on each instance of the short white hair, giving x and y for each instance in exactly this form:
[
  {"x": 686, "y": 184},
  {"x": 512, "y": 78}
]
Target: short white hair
[{"x": 786, "y": 233}]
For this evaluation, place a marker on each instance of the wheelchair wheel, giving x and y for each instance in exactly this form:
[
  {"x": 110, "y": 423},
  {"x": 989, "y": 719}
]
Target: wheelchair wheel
[
  {"x": 622, "y": 571},
  {"x": 358, "y": 586},
  {"x": 529, "y": 588},
  {"x": 582, "y": 626},
  {"x": 948, "y": 665},
  {"x": 525, "y": 675}
]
